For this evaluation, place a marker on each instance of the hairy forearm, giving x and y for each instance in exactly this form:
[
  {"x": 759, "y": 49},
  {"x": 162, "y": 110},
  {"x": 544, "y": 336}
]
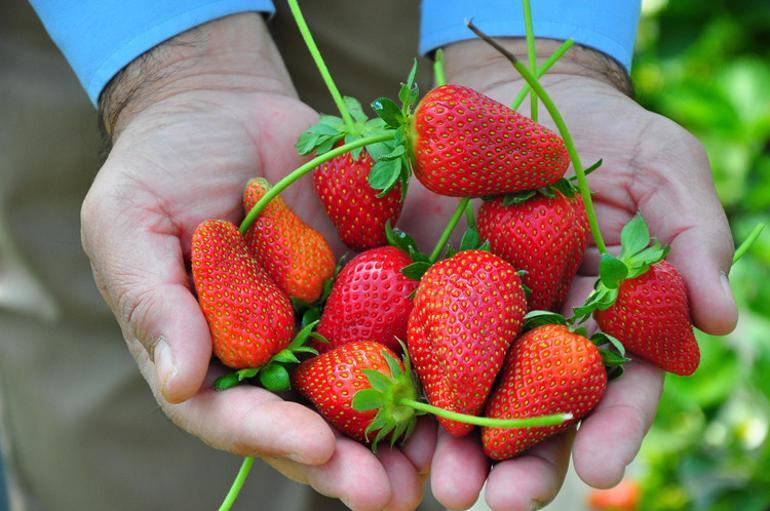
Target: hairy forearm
[
  {"x": 235, "y": 52},
  {"x": 470, "y": 62}
]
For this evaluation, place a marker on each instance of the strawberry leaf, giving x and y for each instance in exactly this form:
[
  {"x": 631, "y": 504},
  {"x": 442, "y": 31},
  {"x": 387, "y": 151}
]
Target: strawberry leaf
[
  {"x": 416, "y": 270},
  {"x": 367, "y": 399},
  {"x": 355, "y": 110},
  {"x": 634, "y": 237},
  {"x": 274, "y": 377},
  {"x": 600, "y": 338},
  {"x": 384, "y": 175},
  {"x": 612, "y": 271},
  {"x": 400, "y": 239},
  {"x": 470, "y": 240},
  {"x": 387, "y": 110},
  {"x": 376, "y": 379},
  {"x": 286, "y": 357},
  {"x": 539, "y": 318},
  {"x": 593, "y": 167},
  {"x": 612, "y": 358},
  {"x": 518, "y": 198}
]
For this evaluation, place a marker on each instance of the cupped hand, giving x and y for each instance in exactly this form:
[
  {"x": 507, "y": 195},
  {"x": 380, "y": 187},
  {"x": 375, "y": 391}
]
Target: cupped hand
[
  {"x": 651, "y": 165},
  {"x": 196, "y": 119}
]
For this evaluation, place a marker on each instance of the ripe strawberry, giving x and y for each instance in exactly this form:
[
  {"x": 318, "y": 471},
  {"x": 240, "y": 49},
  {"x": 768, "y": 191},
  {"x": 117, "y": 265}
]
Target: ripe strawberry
[
  {"x": 370, "y": 300},
  {"x": 295, "y": 256},
  {"x": 332, "y": 380},
  {"x": 547, "y": 370},
  {"x": 545, "y": 236},
  {"x": 623, "y": 497},
  {"x": 250, "y": 318},
  {"x": 353, "y": 206},
  {"x": 651, "y": 317},
  {"x": 467, "y": 310},
  {"x": 466, "y": 144}
]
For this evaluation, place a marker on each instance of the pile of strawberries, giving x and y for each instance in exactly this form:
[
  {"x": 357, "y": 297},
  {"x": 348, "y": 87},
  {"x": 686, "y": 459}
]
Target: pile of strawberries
[{"x": 477, "y": 326}]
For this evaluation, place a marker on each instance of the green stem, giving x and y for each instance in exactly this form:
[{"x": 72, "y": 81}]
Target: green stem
[
  {"x": 748, "y": 242},
  {"x": 530, "y": 33},
  {"x": 548, "y": 64},
  {"x": 438, "y": 68},
  {"x": 320, "y": 64},
  {"x": 585, "y": 192},
  {"x": 469, "y": 219},
  {"x": 304, "y": 169},
  {"x": 448, "y": 229},
  {"x": 235, "y": 489},
  {"x": 528, "y": 422}
]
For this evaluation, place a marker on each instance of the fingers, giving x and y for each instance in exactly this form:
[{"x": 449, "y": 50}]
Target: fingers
[
  {"x": 421, "y": 445},
  {"x": 459, "y": 470},
  {"x": 405, "y": 482},
  {"x": 532, "y": 480},
  {"x": 610, "y": 437},
  {"x": 353, "y": 475},
  {"x": 138, "y": 266}
]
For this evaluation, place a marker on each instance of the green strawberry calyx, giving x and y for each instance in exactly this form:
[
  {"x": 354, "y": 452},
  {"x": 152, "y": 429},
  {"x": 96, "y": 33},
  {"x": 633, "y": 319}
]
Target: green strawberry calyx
[
  {"x": 637, "y": 253},
  {"x": 274, "y": 375},
  {"x": 395, "y": 399}
]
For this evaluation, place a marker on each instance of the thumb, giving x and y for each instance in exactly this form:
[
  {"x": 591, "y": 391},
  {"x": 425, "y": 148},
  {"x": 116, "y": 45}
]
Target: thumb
[{"x": 136, "y": 257}]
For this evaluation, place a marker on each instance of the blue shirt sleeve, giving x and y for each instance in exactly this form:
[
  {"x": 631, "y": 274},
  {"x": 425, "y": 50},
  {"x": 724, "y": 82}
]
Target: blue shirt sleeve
[
  {"x": 606, "y": 25},
  {"x": 100, "y": 37}
]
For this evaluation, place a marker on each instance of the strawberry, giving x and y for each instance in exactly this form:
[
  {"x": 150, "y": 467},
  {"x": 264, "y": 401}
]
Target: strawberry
[
  {"x": 651, "y": 317},
  {"x": 295, "y": 256},
  {"x": 467, "y": 310},
  {"x": 370, "y": 300},
  {"x": 250, "y": 318},
  {"x": 642, "y": 300},
  {"x": 547, "y": 370},
  {"x": 331, "y": 381},
  {"x": 545, "y": 236},
  {"x": 465, "y": 144},
  {"x": 622, "y": 497},
  {"x": 357, "y": 211}
]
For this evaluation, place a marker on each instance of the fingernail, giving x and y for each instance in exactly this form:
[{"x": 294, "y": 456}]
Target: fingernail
[
  {"x": 535, "y": 505},
  {"x": 347, "y": 505},
  {"x": 165, "y": 368}
]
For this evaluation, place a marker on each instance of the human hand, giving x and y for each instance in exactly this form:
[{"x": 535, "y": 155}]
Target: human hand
[
  {"x": 650, "y": 165},
  {"x": 191, "y": 123}
]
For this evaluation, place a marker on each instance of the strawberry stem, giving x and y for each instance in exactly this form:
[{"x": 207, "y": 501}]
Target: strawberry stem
[
  {"x": 548, "y": 64},
  {"x": 461, "y": 206},
  {"x": 438, "y": 68},
  {"x": 585, "y": 192},
  {"x": 304, "y": 169},
  {"x": 320, "y": 64},
  {"x": 525, "y": 422},
  {"x": 235, "y": 489},
  {"x": 748, "y": 242},
  {"x": 531, "y": 53}
]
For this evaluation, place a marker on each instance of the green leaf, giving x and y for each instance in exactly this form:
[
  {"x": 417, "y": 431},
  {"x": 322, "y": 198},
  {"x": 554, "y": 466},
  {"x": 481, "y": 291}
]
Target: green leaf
[
  {"x": 612, "y": 271},
  {"x": 547, "y": 191},
  {"x": 285, "y": 356},
  {"x": 518, "y": 198},
  {"x": 325, "y": 146},
  {"x": 415, "y": 270},
  {"x": 486, "y": 247},
  {"x": 354, "y": 107},
  {"x": 384, "y": 174},
  {"x": 227, "y": 381},
  {"x": 397, "y": 152},
  {"x": 310, "y": 315},
  {"x": 377, "y": 380},
  {"x": 471, "y": 239},
  {"x": 538, "y": 318},
  {"x": 393, "y": 365},
  {"x": 318, "y": 337},
  {"x": 380, "y": 149},
  {"x": 303, "y": 334},
  {"x": 634, "y": 237},
  {"x": 612, "y": 358},
  {"x": 306, "y": 142},
  {"x": 367, "y": 399},
  {"x": 564, "y": 187},
  {"x": 275, "y": 378},
  {"x": 600, "y": 338},
  {"x": 593, "y": 167},
  {"x": 305, "y": 349},
  {"x": 388, "y": 111},
  {"x": 246, "y": 373}
]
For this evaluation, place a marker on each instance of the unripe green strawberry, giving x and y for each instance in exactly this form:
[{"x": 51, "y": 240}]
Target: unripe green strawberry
[
  {"x": 295, "y": 256},
  {"x": 547, "y": 370},
  {"x": 370, "y": 300},
  {"x": 467, "y": 311},
  {"x": 544, "y": 236},
  {"x": 250, "y": 318},
  {"x": 651, "y": 317}
]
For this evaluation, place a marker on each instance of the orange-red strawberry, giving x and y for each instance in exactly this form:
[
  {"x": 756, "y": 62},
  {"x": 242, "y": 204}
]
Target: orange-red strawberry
[
  {"x": 370, "y": 300},
  {"x": 467, "y": 311},
  {"x": 545, "y": 236},
  {"x": 332, "y": 380},
  {"x": 651, "y": 317},
  {"x": 295, "y": 256},
  {"x": 353, "y": 206},
  {"x": 547, "y": 370},
  {"x": 250, "y": 318},
  {"x": 466, "y": 144}
]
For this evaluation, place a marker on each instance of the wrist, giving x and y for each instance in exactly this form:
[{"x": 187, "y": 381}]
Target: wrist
[
  {"x": 474, "y": 63},
  {"x": 231, "y": 53}
]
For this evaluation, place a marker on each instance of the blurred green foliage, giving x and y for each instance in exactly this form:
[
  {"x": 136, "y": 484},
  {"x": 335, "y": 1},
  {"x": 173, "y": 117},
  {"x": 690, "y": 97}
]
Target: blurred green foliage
[{"x": 706, "y": 65}]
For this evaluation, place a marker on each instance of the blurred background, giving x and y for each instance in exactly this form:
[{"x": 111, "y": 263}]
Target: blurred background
[{"x": 707, "y": 66}]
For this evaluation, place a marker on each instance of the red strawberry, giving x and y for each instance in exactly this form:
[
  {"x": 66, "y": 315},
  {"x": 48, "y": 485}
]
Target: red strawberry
[
  {"x": 651, "y": 317},
  {"x": 466, "y": 144},
  {"x": 331, "y": 380},
  {"x": 352, "y": 204},
  {"x": 545, "y": 236},
  {"x": 249, "y": 317},
  {"x": 547, "y": 370},
  {"x": 370, "y": 300},
  {"x": 467, "y": 310},
  {"x": 295, "y": 256}
]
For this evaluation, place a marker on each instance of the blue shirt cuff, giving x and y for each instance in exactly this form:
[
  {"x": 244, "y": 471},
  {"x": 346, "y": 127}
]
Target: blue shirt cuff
[
  {"x": 605, "y": 25},
  {"x": 100, "y": 37}
]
